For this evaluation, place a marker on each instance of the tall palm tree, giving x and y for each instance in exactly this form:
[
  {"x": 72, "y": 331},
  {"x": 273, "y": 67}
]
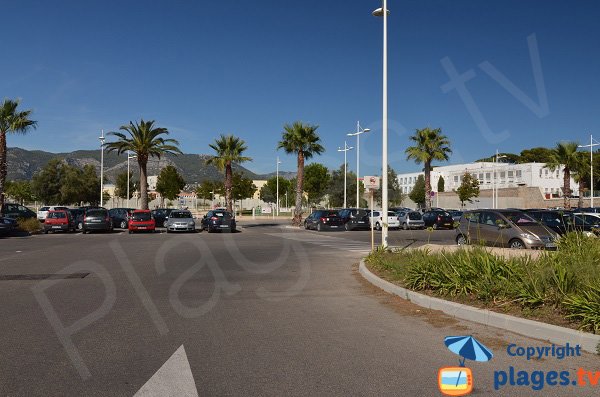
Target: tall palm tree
[
  {"x": 582, "y": 176},
  {"x": 565, "y": 155},
  {"x": 229, "y": 150},
  {"x": 145, "y": 141},
  {"x": 429, "y": 145},
  {"x": 301, "y": 139},
  {"x": 15, "y": 122}
]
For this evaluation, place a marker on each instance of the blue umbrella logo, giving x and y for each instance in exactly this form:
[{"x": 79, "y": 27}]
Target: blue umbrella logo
[{"x": 468, "y": 348}]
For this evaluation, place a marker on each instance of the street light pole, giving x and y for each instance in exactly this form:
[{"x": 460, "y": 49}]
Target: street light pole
[
  {"x": 358, "y": 133},
  {"x": 384, "y": 155},
  {"x": 277, "y": 207},
  {"x": 345, "y": 150},
  {"x": 102, "y": 138},
  {"x": 591, "y": 145},
  {"x": 494, "y": 187},
  {"x": 129, "y": 156}
]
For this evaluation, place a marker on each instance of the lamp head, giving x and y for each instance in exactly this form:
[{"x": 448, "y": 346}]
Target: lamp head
[{"x": 379, "y": 12}]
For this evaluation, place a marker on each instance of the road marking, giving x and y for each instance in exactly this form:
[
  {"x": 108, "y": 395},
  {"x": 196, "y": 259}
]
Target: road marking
[
  {"x": 326, "y": 241},
  {"x": 173, "y": 379}
]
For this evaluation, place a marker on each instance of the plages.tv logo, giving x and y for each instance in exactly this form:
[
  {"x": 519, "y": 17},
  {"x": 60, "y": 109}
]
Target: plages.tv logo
[{"x": 458, "y": 381}]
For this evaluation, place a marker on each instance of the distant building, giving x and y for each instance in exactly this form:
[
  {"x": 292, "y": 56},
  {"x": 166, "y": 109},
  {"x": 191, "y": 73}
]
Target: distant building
[{"x": 508, "y": 175}]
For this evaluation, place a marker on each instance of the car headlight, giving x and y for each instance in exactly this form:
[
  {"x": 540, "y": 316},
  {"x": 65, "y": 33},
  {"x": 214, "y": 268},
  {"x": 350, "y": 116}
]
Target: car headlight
[
  {"x": 7, "y": 221},
  {"x": 529, "y": 236},
  {"x": 191, "y": 223}
]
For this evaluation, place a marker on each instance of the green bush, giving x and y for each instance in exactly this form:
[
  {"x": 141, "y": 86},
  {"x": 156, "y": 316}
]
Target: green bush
[{"x": 31, "y": 225}]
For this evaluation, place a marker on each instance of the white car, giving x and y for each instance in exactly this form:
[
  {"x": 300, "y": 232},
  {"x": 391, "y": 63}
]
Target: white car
[
  {"x": 377, "y": 221},
  {"x": 43, "y": 212}
]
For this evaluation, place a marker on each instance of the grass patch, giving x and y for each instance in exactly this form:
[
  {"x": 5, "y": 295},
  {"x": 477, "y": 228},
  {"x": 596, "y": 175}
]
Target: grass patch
[
  {"x": 561, "y": 287},
  {"x": 31, "y": 225}
]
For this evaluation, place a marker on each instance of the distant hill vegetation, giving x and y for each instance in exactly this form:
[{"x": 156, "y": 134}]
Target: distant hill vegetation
[{"x": 23, "y": 164}]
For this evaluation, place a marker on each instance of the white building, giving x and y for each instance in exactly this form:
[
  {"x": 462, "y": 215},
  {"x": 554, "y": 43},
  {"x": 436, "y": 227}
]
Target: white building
[{"x": 506, "y": 175}]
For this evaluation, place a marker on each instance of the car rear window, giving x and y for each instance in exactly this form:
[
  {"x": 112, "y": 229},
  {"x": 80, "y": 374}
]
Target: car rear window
[
  {"x": 44, "y": 208},
  {"x": 415, "y": 216},
  {"x": 180, "y": 214},
  {"x": 57, "y": 215},
  {"x": 96, "y": 213},
  {"x": 142, "y": 216}
]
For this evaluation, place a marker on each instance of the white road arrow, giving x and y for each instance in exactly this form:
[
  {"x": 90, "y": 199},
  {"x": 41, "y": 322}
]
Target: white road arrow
[{"x": 173, "y": 379}]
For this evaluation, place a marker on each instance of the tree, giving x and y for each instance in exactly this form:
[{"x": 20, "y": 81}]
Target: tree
[
  {"x": 145, "y": 141},
  {"x": 536, "y": 155},
  {"x": 316, "y": 180},
  {"x": 468, "y": 188},
  {"x": 90, "y": 185},
  {"x": 242, "y": 187},
  {"x": 105, "y": 196},
  {"x": 207, "y": 189},
  {"x": 46, "y": 183},
  {"x": 169, "y": 183},
  {"x": 417, "y": 194},
  {"x": 19, "y": 191},
  {"x": 506, "y": 158},
  {"x": 229, "y": 150},
  {"x": 335, "y": 187},
  {"x": 395, "y": 195},
  {"x": 121, "y": 185},
  {"x": 441, "y": 184},
  {"x": 302, "y": 140},
  {"x": 11, "y": 121},
  {"x": 582, "y": 176},
  {"x": 430, "y": 145},
  {"x": 565, "y": 155},
  {"x": 268, "y": 192}
]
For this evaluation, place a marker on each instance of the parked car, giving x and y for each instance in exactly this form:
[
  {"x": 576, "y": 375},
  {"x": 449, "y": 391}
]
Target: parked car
[
  {"x": 77, "y": 216},
  {"x": 504, "y": 228},
  {"x": 141, "y": 220},
  {"x": 120, "y": 216},
  {"x": 585, "y": 223},
  {"x": 17, "y": 211},
  {"x": 218, "y": 220},
  {"x": 323, "y": 220},
  {"x": 410, "y": 220},
  {"x": 376, "y": 218},
  {"x": 7, "y": 225},
  {"x": 438, "y": 219},
  {"x": 559, "y": 221},
  {"x": 180, "y": 221},
  {"x": 455, "y": 214},
  {"x": 354, "y": 218},
  {"x": 161, "y": 216},
  {"x": 43, "y": 211},
  {"x": 96, "y": 219},
  {"x": 59, "y": 221}
]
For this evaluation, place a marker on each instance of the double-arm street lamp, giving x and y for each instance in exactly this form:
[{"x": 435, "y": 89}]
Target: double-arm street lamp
[
  {"x": 345, "y": 150},
  {"x": 591, "y": 146},
  {"x": 102, "y": 138},
  {"x": 129, "y": 157},
  {"x": 357, "y": 134},
  {"x": 277, "y": 198}
]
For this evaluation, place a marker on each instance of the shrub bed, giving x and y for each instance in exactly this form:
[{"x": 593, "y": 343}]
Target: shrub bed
[
  {"x": 560, "y": 287},
  {"x": 31, "y": 225}
]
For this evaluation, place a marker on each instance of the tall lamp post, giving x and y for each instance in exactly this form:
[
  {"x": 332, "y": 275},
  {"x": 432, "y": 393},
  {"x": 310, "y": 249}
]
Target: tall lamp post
[
  {"x": 591, "y": 145},
  {"x": 383, "y": 12},
  {"x": 102, "y": 139},
  {"x": 494, "y": 187},
  {"x": 358, "y": 133},
  {"x": 277, "y": 198},
  {"x": 129, "y": 157},
  {"x": 345, "y": 150}
]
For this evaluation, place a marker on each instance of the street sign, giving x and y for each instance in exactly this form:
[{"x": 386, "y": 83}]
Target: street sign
[{"x": 371, "y": 182}]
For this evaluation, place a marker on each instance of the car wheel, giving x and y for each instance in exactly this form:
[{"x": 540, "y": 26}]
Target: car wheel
[
  {"x": 165, "y": 223},
  {"x": 123, "y": 225},
  {"x": 305, "y": 225},
  {"x": 377, "y": 226},
  {"x": 319, "y": 227},
  {"x": 348, "y": 227},
  {"x": 80, "y": 226},
  {"x": 45, "y": 231},
  {"x": 404, "y": 226},
  {"x": 435, "y": 226},
  {"x": 461, "y": 239},
  {"x": 516, "y": 244}
]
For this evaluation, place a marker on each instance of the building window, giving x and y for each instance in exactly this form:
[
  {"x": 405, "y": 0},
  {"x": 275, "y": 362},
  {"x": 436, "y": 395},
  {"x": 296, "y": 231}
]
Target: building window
[
  {"x": 502, "y": 175},
  {"x": 518, "y": 173},
  {"x": 557, "y": 173},
  {"x": 488, "y": 176},
  {"x": 546, "y": 173},
  {"x": 510, "y": 174},
  {"x": 455, "y": 178},
  {"x": 540, "y": 172}
]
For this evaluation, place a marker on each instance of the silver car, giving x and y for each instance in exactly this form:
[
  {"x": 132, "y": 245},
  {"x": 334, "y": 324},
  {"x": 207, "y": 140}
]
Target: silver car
[
  {"x": 504, "y": 228},
  {"x": 410, "y": 220},
  {"x": 180, "y": 221}
]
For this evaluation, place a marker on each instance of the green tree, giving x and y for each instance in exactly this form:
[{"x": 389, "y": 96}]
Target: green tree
[
  {"x": 229, "y": 149},
  {"x": 207, "y": 189},
  {"x": 441, "y": 184},
  {"x": 169, "y": 183},
  {"x": 536, "y": 155},
  {"x": 11, "y": 121},
  {"x": 20, "y": 191},
  {"x": 242, "y": 187},
  {"x": 121, "y": 185},
  {"x": 105, "y": 196},
  {"x": 46, "y": 183},
  {"x": 506, "y": 158},
  {"x": 145, "y": 141},
  {"x": 268, "y": 192},
  {"x": 417, "y": 194},
  {"x": 468, "y": 189},
  {"x": 90, "y": 185},
  {"x": 71, "y": 185},
  {"x": 300, "y": 139},
  {"x": 565, "y": 155},
  {"x": 395, "y": 195},
  {"x": 429, "y": 145},
  {"x": 316, "y": 180}
]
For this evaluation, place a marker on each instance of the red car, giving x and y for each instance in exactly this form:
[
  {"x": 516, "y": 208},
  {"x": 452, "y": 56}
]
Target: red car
[
  {"x": 59, "y": 220},
  {"x": 141, "y": 220}
]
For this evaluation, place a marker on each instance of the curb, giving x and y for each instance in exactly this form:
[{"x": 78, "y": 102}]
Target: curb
[{"x": 530, "y": 328}]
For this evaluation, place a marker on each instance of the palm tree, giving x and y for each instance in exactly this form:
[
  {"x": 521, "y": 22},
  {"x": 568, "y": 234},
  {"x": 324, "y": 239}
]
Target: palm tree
[
  {"x": 145, "y": 141},
  {"x": 582, "y": 176},
  {"x": 16, "y": 122},
  {"x": 430, "y": 145},
  {"x": 228, "y": 150},
  {"x": 301, "y": 139},
  {"x": 565, "y": 155}
]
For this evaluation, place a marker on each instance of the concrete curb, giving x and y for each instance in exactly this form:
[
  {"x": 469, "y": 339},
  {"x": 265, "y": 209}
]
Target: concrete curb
[{"x": 535, "y": 329}]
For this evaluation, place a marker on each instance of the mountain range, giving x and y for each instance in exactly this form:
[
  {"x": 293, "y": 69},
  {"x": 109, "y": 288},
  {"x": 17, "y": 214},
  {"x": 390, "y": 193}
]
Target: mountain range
[{"x": 23, "y": 164}]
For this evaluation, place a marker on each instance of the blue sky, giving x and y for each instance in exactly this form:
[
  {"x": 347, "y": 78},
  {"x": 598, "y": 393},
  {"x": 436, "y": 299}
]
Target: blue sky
[{"x": 203, "y": 68}]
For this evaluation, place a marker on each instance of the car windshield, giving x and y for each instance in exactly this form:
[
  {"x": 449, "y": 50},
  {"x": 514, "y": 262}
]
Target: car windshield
[
  {"x": 180, "y": 215},
  {"x": 519, "y": 218},
  {"x": 414, "y": 216},
  {"x": 141, "y": 216}
]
